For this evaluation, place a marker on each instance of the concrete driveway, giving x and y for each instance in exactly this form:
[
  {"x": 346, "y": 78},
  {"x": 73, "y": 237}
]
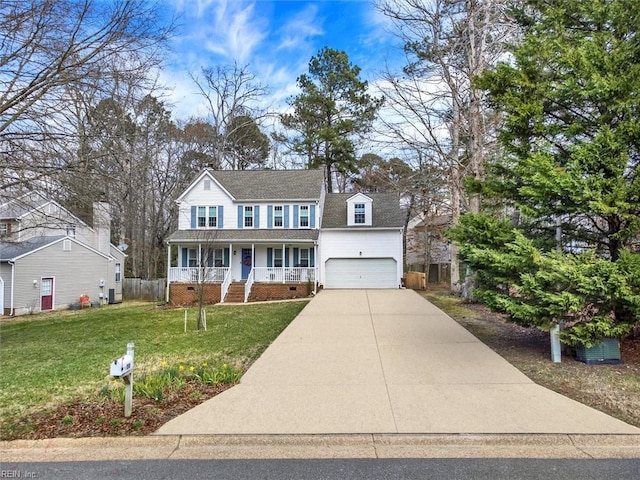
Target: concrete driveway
[{"x": 385, "y": 361}]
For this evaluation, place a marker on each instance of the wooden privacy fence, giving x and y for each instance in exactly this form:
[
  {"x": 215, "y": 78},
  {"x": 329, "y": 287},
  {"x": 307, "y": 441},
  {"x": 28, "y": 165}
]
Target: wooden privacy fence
[
  {"x": 416, "y": 280},
  {"x": 139, "y": 289}
]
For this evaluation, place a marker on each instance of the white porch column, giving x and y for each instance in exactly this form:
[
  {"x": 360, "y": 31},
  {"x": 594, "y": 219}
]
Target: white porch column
[
  {"x": 284, "y": 262},
  {"x": 253, "y": 260},
  {"x": 168, "y": 272},
  {"x": 315, "y": 269}
]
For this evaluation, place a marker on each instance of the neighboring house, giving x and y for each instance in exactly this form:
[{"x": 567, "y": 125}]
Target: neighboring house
[
  {"x": 49, "y": 258},
  {"x": 248, "y": 235},
  {"x": 428, "y": 250}
]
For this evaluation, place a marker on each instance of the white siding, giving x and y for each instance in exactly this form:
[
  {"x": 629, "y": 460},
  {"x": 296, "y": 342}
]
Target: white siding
[
  {"x": 198, "y": 196},
  {"x": 361, "y": 243}
]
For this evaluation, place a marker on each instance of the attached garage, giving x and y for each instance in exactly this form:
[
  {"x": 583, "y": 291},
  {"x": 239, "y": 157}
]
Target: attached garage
[{"x": 361, "y": 273}]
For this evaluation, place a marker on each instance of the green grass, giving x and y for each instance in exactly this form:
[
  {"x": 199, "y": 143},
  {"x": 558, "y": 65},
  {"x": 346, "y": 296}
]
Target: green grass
[{"x": 52, "y": 358}]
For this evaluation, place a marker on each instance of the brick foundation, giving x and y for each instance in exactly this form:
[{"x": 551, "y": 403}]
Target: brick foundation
[
  {"x": 279, "y": 291},
  {"x": 186, "y": 293}
]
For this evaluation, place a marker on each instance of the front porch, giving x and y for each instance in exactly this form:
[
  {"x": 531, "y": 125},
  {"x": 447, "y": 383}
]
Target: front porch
[{"x": 262, "y": 271}]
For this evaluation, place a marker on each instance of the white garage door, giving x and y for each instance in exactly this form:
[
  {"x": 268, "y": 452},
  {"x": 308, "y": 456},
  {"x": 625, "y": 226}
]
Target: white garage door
[{"x": 361, "y": 273}]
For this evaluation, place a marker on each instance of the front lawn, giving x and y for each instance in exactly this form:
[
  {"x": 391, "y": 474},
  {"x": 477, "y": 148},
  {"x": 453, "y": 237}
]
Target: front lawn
[{"x": 53, "y": 358}]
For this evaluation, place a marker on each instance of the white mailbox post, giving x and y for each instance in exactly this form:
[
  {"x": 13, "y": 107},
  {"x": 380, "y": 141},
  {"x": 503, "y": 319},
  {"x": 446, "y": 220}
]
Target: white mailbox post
[{"x": 123, "y": 368}]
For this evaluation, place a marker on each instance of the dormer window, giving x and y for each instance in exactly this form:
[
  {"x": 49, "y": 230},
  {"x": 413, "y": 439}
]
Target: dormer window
[
  {"x": 359, "y": 214},
  {"x": 71, "y": 230},
  {"x": 359, "y": 211}
]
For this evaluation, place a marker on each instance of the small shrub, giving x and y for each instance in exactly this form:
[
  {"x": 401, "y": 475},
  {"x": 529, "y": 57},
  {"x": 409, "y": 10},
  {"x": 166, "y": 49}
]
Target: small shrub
[{"x": 67, "y": 420}]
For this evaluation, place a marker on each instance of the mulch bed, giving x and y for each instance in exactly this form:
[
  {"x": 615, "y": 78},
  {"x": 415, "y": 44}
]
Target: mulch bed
[{"x": 105, "y": 417}]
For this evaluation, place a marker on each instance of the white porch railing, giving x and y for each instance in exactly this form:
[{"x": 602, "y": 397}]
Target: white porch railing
[
  {"x": 284, "y": 275},
  {"x": 196, "y": 275},
  {"x": 224, "y": 288},
  {"x": 248, "y": 285}
]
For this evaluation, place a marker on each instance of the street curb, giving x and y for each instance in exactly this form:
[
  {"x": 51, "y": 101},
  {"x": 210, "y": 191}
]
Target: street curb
[{"x": 211, "y": 447}]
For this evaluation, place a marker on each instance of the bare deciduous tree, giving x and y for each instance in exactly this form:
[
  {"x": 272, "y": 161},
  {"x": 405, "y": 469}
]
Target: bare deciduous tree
[
  {"x": 230, "y": 92},
  {"x": 50, "y": 49},
  {"x": 433, "y": 106}
]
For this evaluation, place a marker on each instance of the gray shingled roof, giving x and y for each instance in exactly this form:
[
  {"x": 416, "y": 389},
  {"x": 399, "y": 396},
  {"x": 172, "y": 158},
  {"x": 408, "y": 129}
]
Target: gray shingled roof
[
  {"x": 271, "y": 184},
  {"x": 17, "y": 207},
  {"x": 12, "y": 250},
  {"x": 243, "y": 235},
  {"x": 386, "y": 211}
]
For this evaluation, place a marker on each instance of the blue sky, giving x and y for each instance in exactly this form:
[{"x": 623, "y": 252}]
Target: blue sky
[{"x": 274, "y": 38}]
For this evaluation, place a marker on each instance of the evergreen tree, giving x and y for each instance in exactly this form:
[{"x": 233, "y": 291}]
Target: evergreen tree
[
  {"x": 332, "y": 108},
  {"x": 570, "y": 174}
]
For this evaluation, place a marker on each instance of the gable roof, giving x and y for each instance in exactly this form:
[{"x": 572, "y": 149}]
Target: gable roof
[
  {"x": 19, "y": 206},
  {"x": 359, "y": 195},
  {"x": 386, "y": 211},
  {"x": 245, "y": 185}
]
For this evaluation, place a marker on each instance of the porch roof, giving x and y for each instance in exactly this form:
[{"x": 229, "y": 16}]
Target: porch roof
[{"x": 243, "y": 236}]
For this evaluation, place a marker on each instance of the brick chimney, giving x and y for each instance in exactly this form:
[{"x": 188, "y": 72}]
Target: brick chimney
[{"x": 102, "y": 226}]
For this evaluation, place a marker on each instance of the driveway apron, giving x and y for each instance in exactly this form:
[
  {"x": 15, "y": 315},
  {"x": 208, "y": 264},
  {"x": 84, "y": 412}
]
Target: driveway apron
[{"x": 385, "y": 361}]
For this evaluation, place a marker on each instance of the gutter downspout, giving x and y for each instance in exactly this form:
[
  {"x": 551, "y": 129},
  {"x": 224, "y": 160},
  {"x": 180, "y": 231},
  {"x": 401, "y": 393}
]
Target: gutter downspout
[{"x": 13, "y": 282}]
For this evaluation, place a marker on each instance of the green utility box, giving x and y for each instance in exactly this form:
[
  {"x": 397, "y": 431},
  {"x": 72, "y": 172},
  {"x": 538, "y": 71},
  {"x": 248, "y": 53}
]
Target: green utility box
[{"x": 606, "y": 352}]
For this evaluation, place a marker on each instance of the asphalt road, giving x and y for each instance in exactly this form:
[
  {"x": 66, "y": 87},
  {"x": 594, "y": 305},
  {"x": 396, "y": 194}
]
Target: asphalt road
[{"x": 347, "y": 469}]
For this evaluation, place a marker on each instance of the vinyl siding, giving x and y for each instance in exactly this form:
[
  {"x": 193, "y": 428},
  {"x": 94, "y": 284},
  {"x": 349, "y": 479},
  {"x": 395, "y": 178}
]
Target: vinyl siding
[
  {"x": 198, "y": 196},
  {"x": 364, "y": 243},
  {"x": 5, "y": 273},
  {"x": 75, "y": 273},
  {"x": 30, "y": 226}
]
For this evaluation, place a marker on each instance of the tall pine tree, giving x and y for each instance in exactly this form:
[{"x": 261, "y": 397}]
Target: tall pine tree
[{"x": 331, "y": 110}]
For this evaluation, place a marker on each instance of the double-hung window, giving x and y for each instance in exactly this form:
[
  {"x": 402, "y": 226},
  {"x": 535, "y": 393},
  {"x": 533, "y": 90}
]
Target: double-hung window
[
  {"x": 248, "y": 216},
  {"x": 213, "y": 217},
  {"x": 304, "y": 215},
  {"x": 218, "y": 257},
  {"x": 359, "y": 215},
  {"x": 206, "y": 217},
  {"x": 278, "y": 216},
  {"x": 202, "y": 217},
  {"x": 304, "y": 257},
  {"x": 277, "y": 257},
  {"x": 118, "y": 272},
  {"x": 193, "y": 257},
  {"x": 71, "y": 230}
]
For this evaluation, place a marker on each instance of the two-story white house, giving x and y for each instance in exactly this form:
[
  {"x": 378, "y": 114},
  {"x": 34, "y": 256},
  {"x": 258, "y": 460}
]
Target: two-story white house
[{"x": 273, "y": 234}]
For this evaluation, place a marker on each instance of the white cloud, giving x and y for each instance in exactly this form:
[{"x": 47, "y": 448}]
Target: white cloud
[{"x": 299, "y": 31}]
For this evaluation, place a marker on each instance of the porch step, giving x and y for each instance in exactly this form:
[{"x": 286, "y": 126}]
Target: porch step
[{"x": 235, "y": 294}]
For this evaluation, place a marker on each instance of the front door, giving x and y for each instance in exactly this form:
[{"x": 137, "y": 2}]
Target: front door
[
  {"x": 246, "y": 262},
  {"x": 46, "y": 294}
]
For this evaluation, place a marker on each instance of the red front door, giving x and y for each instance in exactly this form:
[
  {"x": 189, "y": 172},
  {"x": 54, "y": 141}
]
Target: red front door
[{"x": 46, "y": 294}]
